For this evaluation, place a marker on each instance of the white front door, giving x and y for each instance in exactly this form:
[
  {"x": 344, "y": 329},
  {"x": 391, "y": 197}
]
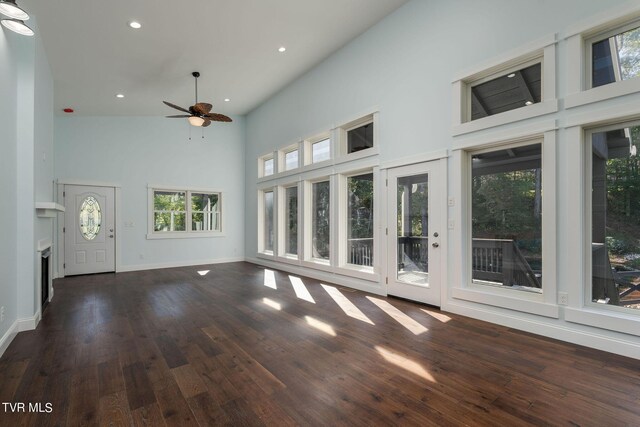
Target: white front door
[
  {"x": 416, "y": 196},
  {"x": 89, "y": 229}
]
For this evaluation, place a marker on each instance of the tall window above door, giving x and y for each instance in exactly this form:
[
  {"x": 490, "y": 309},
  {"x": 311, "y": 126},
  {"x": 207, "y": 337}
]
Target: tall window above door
[
  {"x": 614, "y": 194},
  {"x": 506, "y": 217}
]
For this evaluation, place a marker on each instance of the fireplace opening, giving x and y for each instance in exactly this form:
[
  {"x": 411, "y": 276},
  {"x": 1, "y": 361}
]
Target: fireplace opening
[{"x": 44, "y": 278}]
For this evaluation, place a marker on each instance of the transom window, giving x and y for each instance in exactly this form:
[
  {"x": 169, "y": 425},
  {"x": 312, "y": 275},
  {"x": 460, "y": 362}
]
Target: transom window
[
  {"x": 291, "y": 159},
  {"x": 321, "y": 151},
  {"x": 185, "y": 212},
  {"x": 506, "y": 218},
  {"x": 268, "y": 166},
  {"x": 510, "y": 90},
  {"x": 615, "y": 56},
  {"x": 360, "y": 138}
]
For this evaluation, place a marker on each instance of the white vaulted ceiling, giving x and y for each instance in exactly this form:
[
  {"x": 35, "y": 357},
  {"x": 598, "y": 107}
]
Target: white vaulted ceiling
[{"x": 234, "y": 44}]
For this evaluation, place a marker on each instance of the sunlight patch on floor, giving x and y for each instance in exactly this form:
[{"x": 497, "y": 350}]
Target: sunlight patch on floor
[
  {"x": 406, "y": 321},
  {"x": 270, "y": 279},
  {"x": 438, "y": 316},
  {"x": 347, "y": 306},
  {"x": 320, "y": 325},
  {"x": 271, "y": 303},
  {"x": 301, "y": 290},
  {"x": 405, "y": 363},
  {"x": 203, "y": 272}
]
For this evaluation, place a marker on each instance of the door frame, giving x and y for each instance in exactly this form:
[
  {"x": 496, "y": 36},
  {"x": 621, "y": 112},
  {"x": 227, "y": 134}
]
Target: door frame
[
  {"x": 443, "y": 207},
  {"x": 60, "y": 183}
]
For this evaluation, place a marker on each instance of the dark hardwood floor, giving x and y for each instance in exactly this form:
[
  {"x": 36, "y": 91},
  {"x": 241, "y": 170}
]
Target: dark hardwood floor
[{"x": 180, "y": 347}]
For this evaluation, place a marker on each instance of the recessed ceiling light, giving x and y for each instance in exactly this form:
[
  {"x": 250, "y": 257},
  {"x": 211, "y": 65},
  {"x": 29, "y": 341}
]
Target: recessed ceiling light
[
  {"x": 528, "y": 103},
  {"x": 135, "y": 25},
  {"x": 227, "y": 100},
  {"x": 119, "y": 95},
  {"x": 282, "y": 49},
  {"x": 512, "y": 75}
]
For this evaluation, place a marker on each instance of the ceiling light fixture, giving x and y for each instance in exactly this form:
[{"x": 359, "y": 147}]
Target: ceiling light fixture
[
  {"x": 119, "y": 95},
  {"x": 512, "y": 75},
  {"x": 17, "y": 26},
  {"x": 135, "y": 25},
  {"x": 196, "y": 121},
  {"x": 282, "y": 49},
  {"x": 528, "y": 103},
  {"x": 10, "y": 8},
  {"x": 227, "y": 100}
]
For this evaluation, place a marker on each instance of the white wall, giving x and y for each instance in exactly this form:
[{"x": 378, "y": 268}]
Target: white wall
[
  {"x": 404, "y": 67},
  {"x": 8, "y": 178},
  {"x": 134, "y": 152}
]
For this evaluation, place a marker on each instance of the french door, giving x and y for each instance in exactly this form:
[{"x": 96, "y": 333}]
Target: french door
[{"x": 416, "y": 199}]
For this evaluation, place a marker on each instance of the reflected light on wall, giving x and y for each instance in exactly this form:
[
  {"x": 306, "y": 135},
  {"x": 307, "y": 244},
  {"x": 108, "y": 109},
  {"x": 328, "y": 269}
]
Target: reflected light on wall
[
  {"x": 320, "y": 325},
  {"x": 405, "y": 363},
  {"x": 271, "y": 303},
  {"x": 438, "y": 316},
  {"x": 270, "y": 279},
  {"x": 347, "y": 306},
  {"x": 203, "y": 272},
  {"x": 406, "y": 321},
  {"x": 301, "y": 290}
]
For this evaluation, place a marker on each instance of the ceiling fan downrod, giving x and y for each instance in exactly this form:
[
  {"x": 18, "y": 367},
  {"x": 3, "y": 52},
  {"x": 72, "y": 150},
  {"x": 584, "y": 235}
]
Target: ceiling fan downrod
[{"x": 196, "y": 75}]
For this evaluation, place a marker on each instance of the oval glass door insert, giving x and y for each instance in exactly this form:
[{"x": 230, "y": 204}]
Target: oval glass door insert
[{"x": 90, "y": 218}]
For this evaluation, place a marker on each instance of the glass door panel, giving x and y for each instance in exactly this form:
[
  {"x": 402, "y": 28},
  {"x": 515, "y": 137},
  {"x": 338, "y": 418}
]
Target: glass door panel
[{"x": 413, "y": 229}]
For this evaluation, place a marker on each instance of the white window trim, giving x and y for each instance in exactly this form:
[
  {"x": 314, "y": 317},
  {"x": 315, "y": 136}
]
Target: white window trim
[
  {"x": 342, "y": 138},
  {"x": 282, "y": 222},
  {"x": 308, "y": 148},
  {"x": 544, "y": 304},
  {"x": 581, "y": 310},
  {"x": 579, "y": 42},
  {"x": 263, "y": 159},
  {"x": 188, "y": 233},
  {"x": 543, "y": 51},
  {"x": 282, "y": 159}
]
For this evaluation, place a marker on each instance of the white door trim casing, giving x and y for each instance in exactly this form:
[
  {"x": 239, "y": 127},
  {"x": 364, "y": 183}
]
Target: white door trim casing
[{"x": 59, "y": 247}]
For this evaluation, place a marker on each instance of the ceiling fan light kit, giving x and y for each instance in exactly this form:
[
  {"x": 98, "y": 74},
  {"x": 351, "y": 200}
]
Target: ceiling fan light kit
[
  {"x": 199, "y": 114},
  {"x": 16, "y": 17}
]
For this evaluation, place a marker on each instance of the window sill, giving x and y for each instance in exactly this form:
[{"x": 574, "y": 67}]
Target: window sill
[
  {"x": 602, "y": 93},
  {"x": 365, "y": 273},
  {"x": 604, "y": 319},
  {"x": 535, "y": 110},
  {"x": 523, "y": 301},
  {"x": 185, "y": 235}
]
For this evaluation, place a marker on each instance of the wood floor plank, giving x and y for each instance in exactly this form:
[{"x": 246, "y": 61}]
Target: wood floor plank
[{"x": 173, "y": 347}]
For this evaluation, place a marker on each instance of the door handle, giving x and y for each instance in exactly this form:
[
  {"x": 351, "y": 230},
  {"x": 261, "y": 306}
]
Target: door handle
[{"x": 435, "y": 244}]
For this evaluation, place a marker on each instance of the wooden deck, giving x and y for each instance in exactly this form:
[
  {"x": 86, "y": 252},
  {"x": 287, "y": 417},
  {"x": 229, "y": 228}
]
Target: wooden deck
[{"x": 179, "y": 347}]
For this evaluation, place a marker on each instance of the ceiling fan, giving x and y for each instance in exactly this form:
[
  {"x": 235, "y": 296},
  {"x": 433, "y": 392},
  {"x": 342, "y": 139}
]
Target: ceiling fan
[{"x": 200, "y": 113}]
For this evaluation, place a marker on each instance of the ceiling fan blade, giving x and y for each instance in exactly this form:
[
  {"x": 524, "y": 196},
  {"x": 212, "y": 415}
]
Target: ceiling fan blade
[
  {"x": 175, "y": 106},
  {"x": 202, "y": 108},
  {"x": 181, "y": 116},
  {"x": 217, "y": 117},
  {"x": 206, "y": 123}
]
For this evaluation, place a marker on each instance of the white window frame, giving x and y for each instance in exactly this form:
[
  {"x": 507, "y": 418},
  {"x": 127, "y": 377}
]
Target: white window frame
[
  {"x": 308, "y": 149},
  {"x": 343, "y": 139},
  {"x": 282, "y": 158},
  {"x": 261, "y": 218},
  {"x": 544, "y": 304},
  {"x": 579, "y": 41},
  {"x": 282, "y": 221},
  {"x": 343, "y": 218},
  {"x": 543, "y": 51},
  {"x": 309, "y": 260},
  {"x": 188, "y": 233},
  {"x": 261, "y": 162}
]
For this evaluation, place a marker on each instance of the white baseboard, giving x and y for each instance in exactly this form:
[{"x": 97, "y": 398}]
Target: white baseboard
[
  {"x": 8, "y": 337},
  {"x": 28, "y": 323},
  {"x": 139, "y": 267},
  {"x": 349, "y": 282},
  {"x": 554, "y": 330}
]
